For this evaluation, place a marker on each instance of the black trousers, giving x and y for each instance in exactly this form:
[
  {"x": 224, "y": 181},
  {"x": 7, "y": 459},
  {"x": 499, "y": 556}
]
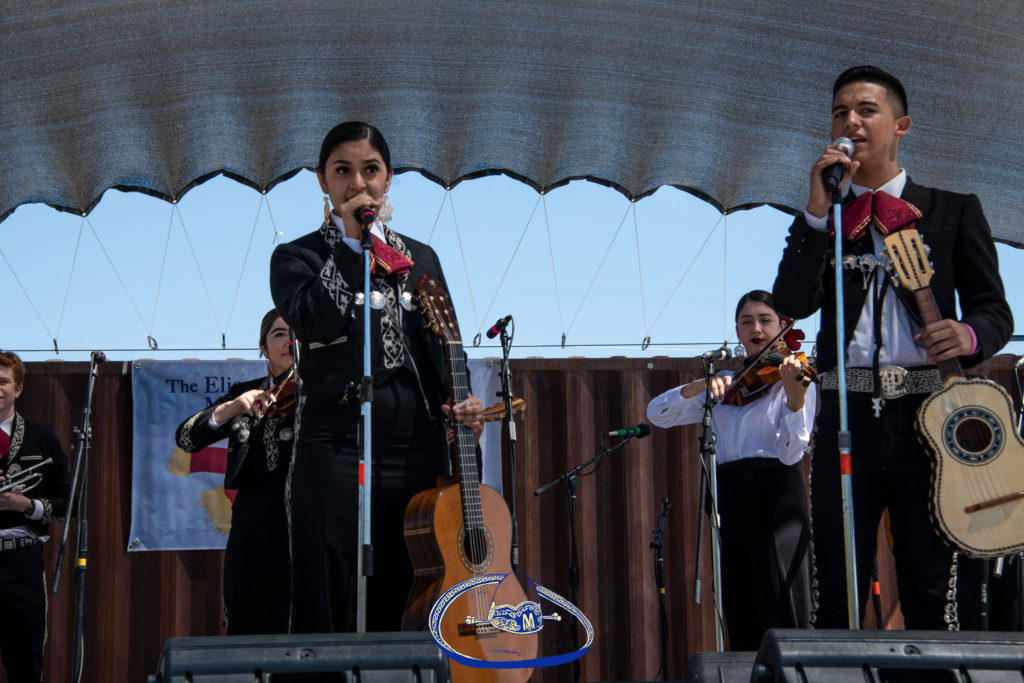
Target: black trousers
[
  {"x": 409, "y": 450},
  {"x": 765, "y": 541},
  {"x": 23, "y": 613},
  {"x": 257, "y": 588},
  {"x": 890, "y": 470}
]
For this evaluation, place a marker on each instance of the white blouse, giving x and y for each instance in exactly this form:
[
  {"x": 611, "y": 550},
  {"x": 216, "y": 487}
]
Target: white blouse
[{"x": 765, "y": 428}]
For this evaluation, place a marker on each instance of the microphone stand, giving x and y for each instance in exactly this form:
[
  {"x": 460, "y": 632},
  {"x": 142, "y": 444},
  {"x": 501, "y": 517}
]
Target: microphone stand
[
  {"x": 709, "y": 480},
  {"x": 570, "y": 480},
  {"x": 364, "y": 553},
  {"x": 507, "y": 395},
  {"x": 659, "y": 579},
  {"x": 83, "y": 440},
  {"x": 844, "y": 439}
]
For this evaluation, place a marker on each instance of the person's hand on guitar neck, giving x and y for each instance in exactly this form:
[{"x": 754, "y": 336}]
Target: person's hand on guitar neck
[
  {"x": 946, "y": 339},
  {"x": 469, "y": 412}
]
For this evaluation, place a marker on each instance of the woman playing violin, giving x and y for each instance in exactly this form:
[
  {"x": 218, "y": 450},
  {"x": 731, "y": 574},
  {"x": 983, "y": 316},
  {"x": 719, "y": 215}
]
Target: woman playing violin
[
  {"x": 260, "y": 435},
  {"x": 762, "y": 501}
]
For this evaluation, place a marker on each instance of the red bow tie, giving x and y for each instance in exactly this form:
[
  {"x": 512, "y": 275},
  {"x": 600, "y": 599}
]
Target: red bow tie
[
  {"x": 387, "y": 259},
  {"x": 5, "y": 444},
  {"x": 889, "y": 214}
]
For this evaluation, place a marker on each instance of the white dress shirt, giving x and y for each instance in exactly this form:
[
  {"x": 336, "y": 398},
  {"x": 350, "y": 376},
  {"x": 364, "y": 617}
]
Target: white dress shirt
[
  {"x": 765, "y": 428},
  {"x": 898, "y": 328}
]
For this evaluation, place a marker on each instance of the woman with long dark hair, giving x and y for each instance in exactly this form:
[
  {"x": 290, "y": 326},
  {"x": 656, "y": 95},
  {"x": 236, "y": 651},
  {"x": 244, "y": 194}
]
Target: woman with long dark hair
[
  {"x": 762, "y": 501},
  {"x": 317, "y": 283}
]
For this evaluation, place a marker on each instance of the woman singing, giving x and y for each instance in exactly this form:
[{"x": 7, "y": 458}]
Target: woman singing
[
  {"x": 314, "y": 281},
  {"x": 256, "y": 583},
  {"x": 765, "y": 530}
]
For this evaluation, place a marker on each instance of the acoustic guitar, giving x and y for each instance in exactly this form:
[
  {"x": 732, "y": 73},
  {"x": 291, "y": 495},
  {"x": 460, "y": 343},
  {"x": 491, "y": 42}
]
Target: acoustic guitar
[
  {"x": 977, "y": 498},
  {"x": 463, "y": 530}
]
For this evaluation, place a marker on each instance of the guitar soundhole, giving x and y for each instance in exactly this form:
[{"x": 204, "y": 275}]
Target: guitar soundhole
[
  {"x": 475, "y": 548},
  {"x": 973, "y": 435}
]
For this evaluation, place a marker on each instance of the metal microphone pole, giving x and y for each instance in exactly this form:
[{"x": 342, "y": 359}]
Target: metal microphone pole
[
  {"x": 709, "y": 480},
  {"x": 844, "y": 439},
  {"x": 83, "y": 437},
  {"x": 364, "y": 558},
  {"x": 507, "y": 395}
]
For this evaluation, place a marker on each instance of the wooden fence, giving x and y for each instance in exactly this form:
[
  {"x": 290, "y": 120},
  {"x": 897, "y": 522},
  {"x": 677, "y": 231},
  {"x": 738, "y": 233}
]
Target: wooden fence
[{"x": 135, "y": 601}]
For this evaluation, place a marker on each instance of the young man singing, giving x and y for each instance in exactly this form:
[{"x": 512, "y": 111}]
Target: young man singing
[{"x": 884, "y": 336}]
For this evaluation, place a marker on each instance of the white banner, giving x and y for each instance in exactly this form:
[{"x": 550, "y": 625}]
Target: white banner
[{"x": 178, "y": 499}]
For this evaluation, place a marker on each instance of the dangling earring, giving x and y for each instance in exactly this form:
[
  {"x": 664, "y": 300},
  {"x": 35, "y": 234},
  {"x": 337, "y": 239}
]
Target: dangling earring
[
  {"x": 327, "y": 209},
  {"x": 386, "y": 210}
]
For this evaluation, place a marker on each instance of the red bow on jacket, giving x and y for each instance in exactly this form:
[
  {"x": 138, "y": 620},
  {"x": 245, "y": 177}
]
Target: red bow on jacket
[{"x": 889, "y": 214}]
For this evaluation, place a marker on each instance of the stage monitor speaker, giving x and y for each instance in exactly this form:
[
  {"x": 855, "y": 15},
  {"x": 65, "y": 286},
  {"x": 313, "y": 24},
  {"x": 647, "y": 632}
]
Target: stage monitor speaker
[
  {"x": 720, "y": 667},
  {"x": 840, "y": 656},
  {"x": 407, "y": 657}
]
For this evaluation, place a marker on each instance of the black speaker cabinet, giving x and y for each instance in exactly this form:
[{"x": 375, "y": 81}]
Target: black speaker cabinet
[
  {"x": 720, "y": 667},
  {"x": 840, "y": 656},
  {"x": 364, "y": 657}
]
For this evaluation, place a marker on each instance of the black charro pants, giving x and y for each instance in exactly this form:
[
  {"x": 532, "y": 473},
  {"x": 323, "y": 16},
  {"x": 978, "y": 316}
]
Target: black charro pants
[
  {"x": 23, "y": 613},
  {"x": 409, "y": 451},
  {"x": 890, "y": 470},
  {"x": 765, "y": 540}
]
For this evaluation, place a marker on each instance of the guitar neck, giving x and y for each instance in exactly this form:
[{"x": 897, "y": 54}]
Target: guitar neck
[
  {"x": 469, "y": 473},
  {"x": 929, "y": 310}
]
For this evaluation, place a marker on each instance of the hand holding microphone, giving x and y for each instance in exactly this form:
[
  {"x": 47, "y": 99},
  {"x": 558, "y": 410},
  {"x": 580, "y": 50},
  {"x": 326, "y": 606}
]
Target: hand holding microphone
[
  {"x": 832, "y": 175},
  {"x": 827, "y": 173}
]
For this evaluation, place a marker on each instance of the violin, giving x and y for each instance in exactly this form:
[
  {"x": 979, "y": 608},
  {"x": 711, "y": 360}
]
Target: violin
[
  {"x": 761, "y": 371},
  {"x": 757, "y": 379},
  {"x": 282, "y": 397}
]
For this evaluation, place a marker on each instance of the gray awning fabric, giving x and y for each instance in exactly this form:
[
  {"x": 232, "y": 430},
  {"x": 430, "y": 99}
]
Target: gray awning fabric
[{"x": 727, "y": 100}]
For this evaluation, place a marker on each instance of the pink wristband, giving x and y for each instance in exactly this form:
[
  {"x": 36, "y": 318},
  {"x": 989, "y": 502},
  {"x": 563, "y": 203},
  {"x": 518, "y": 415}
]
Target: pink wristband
[{"x": 974, "y": 338}]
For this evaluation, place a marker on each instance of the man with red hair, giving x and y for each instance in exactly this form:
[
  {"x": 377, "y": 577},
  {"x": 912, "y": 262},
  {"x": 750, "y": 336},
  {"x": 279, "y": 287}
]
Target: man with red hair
[{"x": 24, "y": 527}]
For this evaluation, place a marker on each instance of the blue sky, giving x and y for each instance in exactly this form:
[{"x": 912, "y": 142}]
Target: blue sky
[{"x": 670, "y": 267}]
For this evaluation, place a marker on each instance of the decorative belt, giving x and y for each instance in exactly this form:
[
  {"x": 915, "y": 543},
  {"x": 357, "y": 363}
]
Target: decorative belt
[
  {"x": 895, "y": 381},
  {"x": 8, "y": 544}
]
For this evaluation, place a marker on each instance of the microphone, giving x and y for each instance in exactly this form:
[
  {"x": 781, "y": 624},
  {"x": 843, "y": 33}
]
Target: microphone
[
  {"x": 831, "y": 176},
  {"x": 365, "y": 215},
  {"x": 723, "y": 353},
  {"x": 640, "y": 431},
  {"x": 98, "y": 356},
  {"x": 499, "y": 327}
]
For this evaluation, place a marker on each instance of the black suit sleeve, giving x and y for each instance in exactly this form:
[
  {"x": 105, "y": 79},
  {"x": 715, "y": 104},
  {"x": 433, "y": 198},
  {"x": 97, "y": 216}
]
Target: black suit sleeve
[
  {"x": 55, "y": 487},
  {"x": 317, "y": 301},
  {"x": 195, "y": 433},
  {"x": 978, "y": 284},
  {"x": 799, "y": 286}
]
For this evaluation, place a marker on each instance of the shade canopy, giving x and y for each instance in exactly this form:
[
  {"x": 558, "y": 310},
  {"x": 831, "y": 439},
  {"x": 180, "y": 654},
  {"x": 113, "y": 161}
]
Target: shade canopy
[{"x": 727, "y": 100}]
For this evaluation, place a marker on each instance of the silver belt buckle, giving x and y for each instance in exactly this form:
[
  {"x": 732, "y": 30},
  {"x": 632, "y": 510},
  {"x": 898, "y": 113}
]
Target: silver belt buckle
[{"x": 891, "y": 378}]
